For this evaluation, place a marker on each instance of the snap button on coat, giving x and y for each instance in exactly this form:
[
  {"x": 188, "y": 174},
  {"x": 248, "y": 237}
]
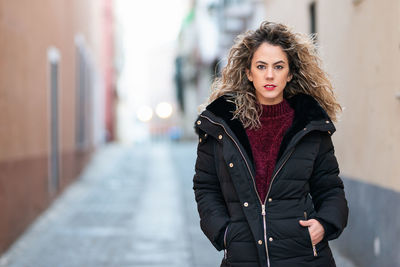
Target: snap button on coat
[{"x": 246, "y": 204}]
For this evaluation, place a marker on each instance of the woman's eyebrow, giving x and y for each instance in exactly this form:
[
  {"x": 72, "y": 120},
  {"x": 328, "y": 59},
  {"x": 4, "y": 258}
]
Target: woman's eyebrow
[{"x": 265, "y": 63}]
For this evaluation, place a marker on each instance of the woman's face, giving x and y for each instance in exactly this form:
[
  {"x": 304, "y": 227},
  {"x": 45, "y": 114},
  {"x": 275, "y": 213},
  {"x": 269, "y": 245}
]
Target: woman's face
[{"x": 269, "y": 72}]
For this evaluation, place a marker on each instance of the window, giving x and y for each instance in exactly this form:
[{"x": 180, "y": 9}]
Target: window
[{"x": 313, "y": 18}]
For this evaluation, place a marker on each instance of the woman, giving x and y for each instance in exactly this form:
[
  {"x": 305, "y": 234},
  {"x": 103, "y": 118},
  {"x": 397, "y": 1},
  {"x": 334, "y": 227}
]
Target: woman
[{"x": 266, "y": 181}]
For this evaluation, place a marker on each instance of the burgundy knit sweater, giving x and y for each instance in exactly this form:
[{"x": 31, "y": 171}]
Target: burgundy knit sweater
[{"x": 265, "y": 142}]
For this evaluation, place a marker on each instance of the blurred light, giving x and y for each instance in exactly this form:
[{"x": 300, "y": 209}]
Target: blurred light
[
  {"x": 145, "y": 113},
  {"x": 164, "y": 110}
]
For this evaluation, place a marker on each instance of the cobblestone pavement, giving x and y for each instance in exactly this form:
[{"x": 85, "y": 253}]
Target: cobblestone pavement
[{"x": 132, "y": 206}]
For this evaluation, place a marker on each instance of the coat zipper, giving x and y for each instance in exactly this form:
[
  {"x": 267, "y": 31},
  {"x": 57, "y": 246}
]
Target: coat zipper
[
  {"x": 313, "y": 246},
  {"x": 265, "y": 200},
  {"x": 263, "y": 212}
]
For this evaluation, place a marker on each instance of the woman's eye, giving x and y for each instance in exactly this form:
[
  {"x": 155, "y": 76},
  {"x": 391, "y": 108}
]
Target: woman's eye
[
  {"x": 279, "y": 67},
  {"x": 260, "y": 67}
]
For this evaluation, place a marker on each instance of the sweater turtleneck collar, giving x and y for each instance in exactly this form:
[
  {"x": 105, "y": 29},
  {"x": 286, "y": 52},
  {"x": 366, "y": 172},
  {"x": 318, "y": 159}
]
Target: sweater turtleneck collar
[{"x": 276, "y": 110}]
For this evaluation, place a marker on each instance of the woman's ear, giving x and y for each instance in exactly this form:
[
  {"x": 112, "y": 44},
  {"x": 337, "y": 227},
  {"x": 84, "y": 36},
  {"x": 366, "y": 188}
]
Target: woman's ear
[
  {"x": 289, "y": 78},
  {"x": 249, "y": 76}
]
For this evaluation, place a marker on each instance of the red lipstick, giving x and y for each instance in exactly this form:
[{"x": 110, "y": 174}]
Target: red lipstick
[{"x": 270, "y": 87}]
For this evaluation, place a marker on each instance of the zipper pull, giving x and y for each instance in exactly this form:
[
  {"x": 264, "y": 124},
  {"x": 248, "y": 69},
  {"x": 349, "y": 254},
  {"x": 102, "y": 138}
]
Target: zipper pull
[
  {"x": 263, "y": 210},
  {"x": 305, "y": 215},
  {"x": 314, "y": 250}
]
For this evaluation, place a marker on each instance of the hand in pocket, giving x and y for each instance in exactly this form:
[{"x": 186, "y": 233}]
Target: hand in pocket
[{"x": 316, "y": 230}]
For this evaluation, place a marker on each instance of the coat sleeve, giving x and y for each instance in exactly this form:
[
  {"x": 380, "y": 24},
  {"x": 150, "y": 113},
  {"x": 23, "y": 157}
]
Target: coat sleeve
[
  {"x": 210, "y": 202},
  {"x": 327, "y": 190}
]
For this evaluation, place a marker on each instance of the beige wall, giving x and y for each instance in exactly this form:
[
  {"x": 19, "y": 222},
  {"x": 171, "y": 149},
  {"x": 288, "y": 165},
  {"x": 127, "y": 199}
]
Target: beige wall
[
  {"x": 291, "y": 12},
  {"x": 28, "y": 29},
  {"x": 360, "y": 46}
]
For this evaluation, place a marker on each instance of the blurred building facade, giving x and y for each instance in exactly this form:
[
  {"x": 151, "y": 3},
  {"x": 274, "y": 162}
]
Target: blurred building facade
[
  {"x": 206, "y": 35},
  {"x": 56, "y": 95}
]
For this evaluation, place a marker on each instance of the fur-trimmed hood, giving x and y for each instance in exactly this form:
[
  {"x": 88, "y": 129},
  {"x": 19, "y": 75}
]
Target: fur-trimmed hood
[{"x": 307, "y": 112}]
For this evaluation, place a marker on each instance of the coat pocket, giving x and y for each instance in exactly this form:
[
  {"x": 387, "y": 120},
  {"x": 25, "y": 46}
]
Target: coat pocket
[
  {"x": 226, "y": 236},
  {"x": 225, "y": 242}
]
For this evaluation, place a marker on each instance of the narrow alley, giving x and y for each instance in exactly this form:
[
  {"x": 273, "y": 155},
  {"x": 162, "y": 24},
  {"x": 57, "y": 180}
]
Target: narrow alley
[
  {"x": 130, "y": 207},
  {"x": 97, "y": 104}
]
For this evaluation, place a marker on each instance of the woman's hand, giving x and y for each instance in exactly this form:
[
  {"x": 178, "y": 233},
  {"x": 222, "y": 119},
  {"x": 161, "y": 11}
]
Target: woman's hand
[{"x": 316, "y": 230}]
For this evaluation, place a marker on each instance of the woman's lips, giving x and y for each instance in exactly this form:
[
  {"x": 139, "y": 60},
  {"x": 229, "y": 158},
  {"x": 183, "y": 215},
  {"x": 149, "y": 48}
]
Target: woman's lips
[{"x": 269, "y": 87}]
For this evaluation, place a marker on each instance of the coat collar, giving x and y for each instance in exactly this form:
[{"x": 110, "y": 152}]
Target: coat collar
[{"x": 306, "y": 110}]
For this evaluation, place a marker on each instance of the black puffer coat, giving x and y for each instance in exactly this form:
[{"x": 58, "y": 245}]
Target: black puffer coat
[{"x": 305, "y": 185}]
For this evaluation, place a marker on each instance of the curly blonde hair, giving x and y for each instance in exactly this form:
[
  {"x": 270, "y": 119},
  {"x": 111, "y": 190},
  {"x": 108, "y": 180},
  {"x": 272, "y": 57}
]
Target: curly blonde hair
[{"x": 304, "y": 64}]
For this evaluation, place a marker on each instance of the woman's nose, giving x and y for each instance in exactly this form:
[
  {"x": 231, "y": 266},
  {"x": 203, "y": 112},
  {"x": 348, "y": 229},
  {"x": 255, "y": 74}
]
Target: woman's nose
[{"x": 269, "y": 73}]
